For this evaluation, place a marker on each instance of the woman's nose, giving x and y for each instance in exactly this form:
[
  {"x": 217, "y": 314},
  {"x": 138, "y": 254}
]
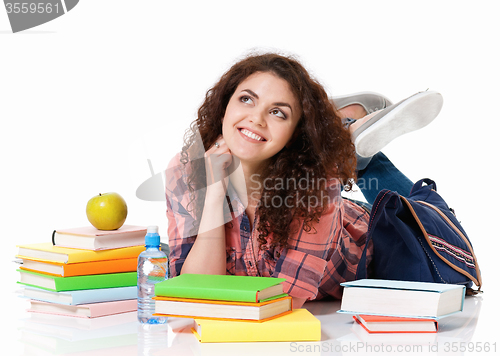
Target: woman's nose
[{"x": 258, "y": 118}]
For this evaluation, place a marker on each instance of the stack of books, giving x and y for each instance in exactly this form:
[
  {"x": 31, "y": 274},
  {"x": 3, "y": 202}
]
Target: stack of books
[
  {"x": 83, "y": 272},
  {"x": 229, "y": 308},
  {"x": 384, "y": 306}
]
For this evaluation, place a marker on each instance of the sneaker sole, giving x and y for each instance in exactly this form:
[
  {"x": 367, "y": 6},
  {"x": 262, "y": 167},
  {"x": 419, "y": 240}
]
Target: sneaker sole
[{"x": 406, "y": 116}]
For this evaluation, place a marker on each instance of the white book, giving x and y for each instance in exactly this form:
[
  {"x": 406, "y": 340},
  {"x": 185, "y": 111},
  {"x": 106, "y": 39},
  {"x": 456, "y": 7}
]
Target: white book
[
  {"x": 90, "y": 238},
  {"x": 402, "y": 298}
]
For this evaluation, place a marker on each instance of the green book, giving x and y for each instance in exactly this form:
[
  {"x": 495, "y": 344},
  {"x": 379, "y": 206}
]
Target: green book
[
  {"x": 60, "y": 284},
  {"x": 221, "y": 287}
]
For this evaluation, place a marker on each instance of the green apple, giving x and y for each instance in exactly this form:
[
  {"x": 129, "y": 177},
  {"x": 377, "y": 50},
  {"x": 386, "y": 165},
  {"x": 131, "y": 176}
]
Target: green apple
[{"x": 107, "y": 211}]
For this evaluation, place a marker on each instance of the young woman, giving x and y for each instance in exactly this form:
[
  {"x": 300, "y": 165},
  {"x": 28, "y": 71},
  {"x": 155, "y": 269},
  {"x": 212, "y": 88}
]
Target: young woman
[{"x": 256, "y": 188}]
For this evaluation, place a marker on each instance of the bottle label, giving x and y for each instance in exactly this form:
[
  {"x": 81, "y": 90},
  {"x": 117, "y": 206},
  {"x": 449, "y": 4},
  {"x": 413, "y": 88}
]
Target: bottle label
[{"x": 156, "y": 269}]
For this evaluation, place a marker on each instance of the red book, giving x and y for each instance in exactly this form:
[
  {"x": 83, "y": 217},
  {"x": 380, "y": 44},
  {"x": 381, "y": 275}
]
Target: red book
[{"x": 391, "y": 324}]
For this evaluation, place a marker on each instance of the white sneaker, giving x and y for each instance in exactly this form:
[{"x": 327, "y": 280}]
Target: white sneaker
[
  {"x": 370, "y": 101},
  {"x": 408, "y": 115}
]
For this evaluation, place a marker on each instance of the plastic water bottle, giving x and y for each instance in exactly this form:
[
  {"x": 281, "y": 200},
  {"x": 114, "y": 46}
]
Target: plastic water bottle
[{"x": 152, "y": 268}]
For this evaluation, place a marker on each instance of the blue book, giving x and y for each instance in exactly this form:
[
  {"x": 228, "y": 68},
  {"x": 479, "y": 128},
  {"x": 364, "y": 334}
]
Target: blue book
[
  {"x": 84, "y": 296},
  {"x": 402, "y": 298}
]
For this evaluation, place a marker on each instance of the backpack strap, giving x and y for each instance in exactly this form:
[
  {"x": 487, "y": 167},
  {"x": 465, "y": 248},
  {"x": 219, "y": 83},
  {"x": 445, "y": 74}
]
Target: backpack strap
[
  {"x": 477, "y": 281},
  {"x": 362, "y": 270},
  {"x": 421, "y": 182}
]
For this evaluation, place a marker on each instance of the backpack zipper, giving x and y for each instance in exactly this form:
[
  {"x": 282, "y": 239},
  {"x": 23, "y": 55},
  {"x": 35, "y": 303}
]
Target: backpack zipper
[{"x": 457, "y": 230}]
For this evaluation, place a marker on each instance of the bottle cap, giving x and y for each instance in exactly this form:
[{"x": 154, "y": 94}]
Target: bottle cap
[
  {"x": 152, "y": 236},
  {"x": 153, "y": 229}
]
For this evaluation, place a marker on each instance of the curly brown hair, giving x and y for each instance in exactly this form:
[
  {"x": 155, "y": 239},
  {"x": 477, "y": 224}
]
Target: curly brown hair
[{"x": 320, "y": 148}]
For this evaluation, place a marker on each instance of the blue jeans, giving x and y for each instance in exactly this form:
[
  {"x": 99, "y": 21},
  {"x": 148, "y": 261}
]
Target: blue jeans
[{"x": 380, "y": 173}]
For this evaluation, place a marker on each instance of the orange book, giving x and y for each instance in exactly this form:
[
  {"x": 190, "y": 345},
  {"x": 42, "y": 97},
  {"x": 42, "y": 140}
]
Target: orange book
[
  {"x": 80, "y": 269},
  {"x": 224, "y": 310},
  {"x": 391, "y": 324}
]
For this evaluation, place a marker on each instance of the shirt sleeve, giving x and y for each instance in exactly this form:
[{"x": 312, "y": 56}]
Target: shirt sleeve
[
  {"x": 302, "y": 272},
  {"x": 181, "y": 233}
]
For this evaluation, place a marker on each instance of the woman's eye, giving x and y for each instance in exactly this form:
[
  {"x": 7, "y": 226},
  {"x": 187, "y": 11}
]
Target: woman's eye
[
  {"x": 278, "y": 113},
  {"x": 246, "y": 99}
]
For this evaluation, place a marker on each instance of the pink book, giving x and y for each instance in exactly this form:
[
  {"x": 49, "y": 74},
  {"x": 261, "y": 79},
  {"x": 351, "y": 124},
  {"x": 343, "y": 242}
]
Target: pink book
[
  {"x": 89, "y": 238},
  {"x": 93, "y": 310}
]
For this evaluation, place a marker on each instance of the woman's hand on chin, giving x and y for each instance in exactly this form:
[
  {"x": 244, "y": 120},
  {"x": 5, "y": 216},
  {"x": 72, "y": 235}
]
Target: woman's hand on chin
[{"x": 217, "y": 159}]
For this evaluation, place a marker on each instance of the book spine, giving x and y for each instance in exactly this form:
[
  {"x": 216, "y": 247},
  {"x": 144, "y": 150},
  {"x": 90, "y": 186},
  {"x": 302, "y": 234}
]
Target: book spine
[
  {"x": 114, "y": 254},
  {"x": 100, "y": 267},
  {"x": 238, "y": 331},
  {"x": 103, "y": 295},
  {"x": 212, "y": 294},
  {"x": 98, "y": 281},
  {"x": 110, "y": 308}
]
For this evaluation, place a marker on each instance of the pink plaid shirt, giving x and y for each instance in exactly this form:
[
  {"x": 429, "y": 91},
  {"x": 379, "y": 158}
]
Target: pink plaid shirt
[{"x": 315, "y": 262}]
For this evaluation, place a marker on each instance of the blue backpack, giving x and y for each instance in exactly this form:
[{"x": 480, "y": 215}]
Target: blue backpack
[{"x": 418, "y": 239}]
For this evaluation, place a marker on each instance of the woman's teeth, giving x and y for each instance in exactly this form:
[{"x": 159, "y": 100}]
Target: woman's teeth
[{"x": 251, "y": 135}]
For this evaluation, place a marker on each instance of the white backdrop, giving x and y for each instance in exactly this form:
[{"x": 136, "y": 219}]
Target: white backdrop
[{"x": 87, "y": 98}]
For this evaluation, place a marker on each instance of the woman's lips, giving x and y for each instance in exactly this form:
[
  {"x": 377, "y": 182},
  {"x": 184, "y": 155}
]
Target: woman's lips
[{"x": 251, "y": 135}]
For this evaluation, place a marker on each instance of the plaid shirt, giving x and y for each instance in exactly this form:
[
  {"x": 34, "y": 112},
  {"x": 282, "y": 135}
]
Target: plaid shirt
[{"x": 315, "y": 262}]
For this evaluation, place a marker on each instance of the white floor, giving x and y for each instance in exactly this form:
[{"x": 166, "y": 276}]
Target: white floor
[{"x": 467, "y": 333}]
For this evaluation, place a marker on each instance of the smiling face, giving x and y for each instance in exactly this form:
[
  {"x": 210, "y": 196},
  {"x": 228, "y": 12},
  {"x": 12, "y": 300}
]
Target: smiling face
[{"x": 260, "y": 118}]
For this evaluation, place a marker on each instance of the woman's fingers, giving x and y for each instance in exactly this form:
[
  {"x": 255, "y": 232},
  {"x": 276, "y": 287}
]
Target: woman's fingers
[{"x": 218, "y": 158}]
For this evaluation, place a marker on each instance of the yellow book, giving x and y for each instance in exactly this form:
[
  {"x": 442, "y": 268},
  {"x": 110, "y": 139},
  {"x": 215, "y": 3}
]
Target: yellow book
[
  {"x": 300, "y": 325},
  {"x": 46, "y": 252}
]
